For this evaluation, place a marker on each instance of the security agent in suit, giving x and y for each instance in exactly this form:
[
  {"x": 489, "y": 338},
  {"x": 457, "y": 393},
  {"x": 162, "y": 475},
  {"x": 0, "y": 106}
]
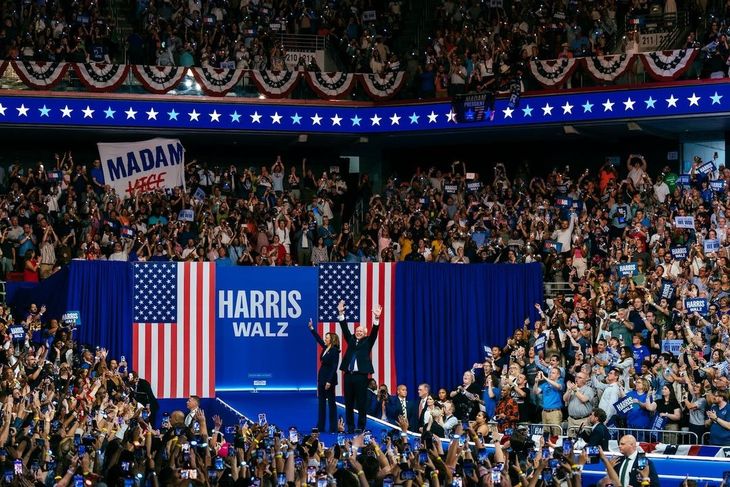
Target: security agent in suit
[
  {"x": 357, "y": 366},
  {"x": 399, "y": 405},
  {"x": 596, "y": 433},
  {"x": 141, "y": 391},
  {"x": 327, "y": 377},
  {"x": 627, "y": 466}
]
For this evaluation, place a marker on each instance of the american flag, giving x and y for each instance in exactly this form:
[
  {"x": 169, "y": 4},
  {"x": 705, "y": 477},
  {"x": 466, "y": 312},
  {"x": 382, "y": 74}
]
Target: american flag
[
  {"x": 362, "y": 287},
  {"x": 174, "y": 327}
]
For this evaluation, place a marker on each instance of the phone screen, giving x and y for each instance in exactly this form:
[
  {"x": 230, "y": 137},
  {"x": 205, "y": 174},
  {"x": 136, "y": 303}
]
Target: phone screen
[{"x": 311, "y": 475}]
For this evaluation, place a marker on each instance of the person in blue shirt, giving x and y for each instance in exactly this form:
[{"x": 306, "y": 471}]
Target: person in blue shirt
[
  {"x": 491, "y": 395},
  {"x": 550, "y": 388},
  {"x": 639, "y": 350},
  {"x": 639, "y": 416},
  {"x": 719, "y": 418}
]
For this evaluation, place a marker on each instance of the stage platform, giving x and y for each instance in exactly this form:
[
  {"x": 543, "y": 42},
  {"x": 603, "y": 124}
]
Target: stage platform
[{"x": 299, "y": 409}]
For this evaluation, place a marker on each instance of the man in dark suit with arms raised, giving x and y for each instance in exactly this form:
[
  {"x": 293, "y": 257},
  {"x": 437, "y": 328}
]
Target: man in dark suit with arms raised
[{"x": 357, "y": 366}]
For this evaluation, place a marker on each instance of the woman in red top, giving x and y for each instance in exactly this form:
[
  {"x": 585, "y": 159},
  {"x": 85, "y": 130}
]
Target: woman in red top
[
  {"x": 30, "y": 269},
  {"x": 507, "y": 412}
]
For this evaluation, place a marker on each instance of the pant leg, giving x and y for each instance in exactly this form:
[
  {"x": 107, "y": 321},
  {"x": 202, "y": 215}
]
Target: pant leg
[
  {"x": 349, "y": 402},
  {"x": 321, "y": 405},
  {"x": 361, "y": 400},
  {"x": 331, "y": 409}
]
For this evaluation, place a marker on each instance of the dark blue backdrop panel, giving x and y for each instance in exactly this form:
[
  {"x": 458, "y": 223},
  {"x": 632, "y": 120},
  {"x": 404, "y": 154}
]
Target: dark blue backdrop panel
[
  {"x": 447, "y": 313},
  {"x": 261, "y": 337},
  {"x": 102, "y": 292},
  {"x": 51, "y": 292}
]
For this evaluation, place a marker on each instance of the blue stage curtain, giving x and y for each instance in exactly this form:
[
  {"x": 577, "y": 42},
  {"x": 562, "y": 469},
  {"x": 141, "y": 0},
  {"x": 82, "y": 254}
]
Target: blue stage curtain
[
  {"x": 51, "y": 292},
  {"x": 102, "y": 293},
  {"x": 446, "y": 313}
]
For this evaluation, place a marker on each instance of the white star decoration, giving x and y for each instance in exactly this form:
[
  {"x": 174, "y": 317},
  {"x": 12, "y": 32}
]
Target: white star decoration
[
  {"x": 395, "y": 120},
  {"x": 375, "y": 120},
  {"x": 547, "y": 110},
  {"x": 671, "y": 101},
  {"x": 694, "y": 100},
  {"x": 629, "y": 104},
  {"x": 336, "y": 120},
  {"x": 215, "y": 116},
  {"x": 194, "y": 116},
  {"x": 276, "y": 118},
  {"x": 432, "y": 117},
  {"x": 255, "y": 118},
  {"x": 608, "y": 105},
  {"x": 508, "y": 112},
  {"x": 567, "y": 108},
  {"x": 316, "y": 119},
  {"x": 152, "y": 114},
  {"x": 22, "y": 111},
  {"x": 88, "y": 112},
  {"x": 65, "y": 112},
  {"x": 131, "y": 114}
]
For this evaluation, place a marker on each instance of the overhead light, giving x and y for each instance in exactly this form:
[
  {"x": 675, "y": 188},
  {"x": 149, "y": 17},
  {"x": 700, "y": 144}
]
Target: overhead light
[
  {"x": 569, "y": 129},
  {"x": 634, "y": 126},
  {"x": 303, "y": 138}
]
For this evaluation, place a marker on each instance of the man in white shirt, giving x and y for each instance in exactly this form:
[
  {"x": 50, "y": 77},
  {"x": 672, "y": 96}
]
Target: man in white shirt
[{"x": 611, "y": 392}]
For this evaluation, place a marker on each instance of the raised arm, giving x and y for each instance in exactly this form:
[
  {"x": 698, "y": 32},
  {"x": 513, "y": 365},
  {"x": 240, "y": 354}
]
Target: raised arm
[
  {"x": 377, "y": 311},
  {"x": 316, "y": 335},
  {"x": 346, "y": 334}
]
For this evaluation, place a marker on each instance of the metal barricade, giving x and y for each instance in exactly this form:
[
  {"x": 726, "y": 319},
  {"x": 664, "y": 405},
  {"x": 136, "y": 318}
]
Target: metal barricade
[
  {"x": 671, "y": 437},
  {"x": 705, "y": 437}
]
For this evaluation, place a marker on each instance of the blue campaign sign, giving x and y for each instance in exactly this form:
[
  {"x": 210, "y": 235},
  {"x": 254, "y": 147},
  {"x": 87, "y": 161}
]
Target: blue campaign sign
[
  {"x": 696, "y": 304},
  {"x": 18, "y": 332},
  {"x": 707, "y": 168},
  {"x": 667, "y": 291},
  {"x": 684, "y": 221},
  {"x": 718, "y": 185},
  {"x": 624, "y": 405},
  {"x": 679, "y": 253},
  {"x": 262, "y": 339},
  {"x": 711, "y": 245},
  {"x": 553, "y": 244},
  {"x": 627, "y": 269}
]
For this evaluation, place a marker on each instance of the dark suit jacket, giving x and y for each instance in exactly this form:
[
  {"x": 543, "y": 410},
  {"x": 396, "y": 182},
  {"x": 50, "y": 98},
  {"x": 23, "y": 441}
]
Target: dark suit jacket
[
  {"x": 328, "y": 362},
  {"x": 395, "y": 410},
  {"x": 143, "y": 394},
  {"x": 360, "y": 350},
  {"x": 597, "y": 436},
  {"x": 635, "y": 473}
]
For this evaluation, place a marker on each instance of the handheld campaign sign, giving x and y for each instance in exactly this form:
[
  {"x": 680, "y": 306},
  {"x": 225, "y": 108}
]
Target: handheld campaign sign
[
  {"x": 71, "y": 318},
  {"x": 624, "y": 405},
  {"x": 140, "y": 167},
  {"x": 711, "y": 245},
  {"x": 672, "y": 346},
  {"x": 186, "y": 215},
  {"x": 552, "y": 244},
  {"x": 17, "y": 332},
  {"x": 679, "y": 253},
  {"x": 667, "y": 291},
  {"x": 707, "y": 168},
  {"x": 696, "y": 304},
  {"x": 718, "y": 185},
  {"x": 627, "y": 269},
  {"x": 684, "y": 222}
]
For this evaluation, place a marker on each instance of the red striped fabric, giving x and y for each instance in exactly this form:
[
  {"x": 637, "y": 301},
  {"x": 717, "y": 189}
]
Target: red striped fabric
[
  {"x": 176, "y": 357},
  {"x": 377, "y": 286}
]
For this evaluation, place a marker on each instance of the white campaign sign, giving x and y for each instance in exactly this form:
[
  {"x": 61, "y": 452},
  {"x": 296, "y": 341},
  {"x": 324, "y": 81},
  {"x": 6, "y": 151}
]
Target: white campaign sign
[{"x": 140, "y": 167}]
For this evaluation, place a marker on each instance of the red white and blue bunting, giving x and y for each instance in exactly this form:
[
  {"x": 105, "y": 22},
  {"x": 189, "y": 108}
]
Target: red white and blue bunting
[
  {"x": 668, "y": 65},
  {"x": 608, "y": 68},
  {"x": 101, "y": 76},
  {"x": 331, "y": 85},
  {"x": 40, "y": 75},
  {"x": 553, "y": 73},
  {"x": 217, "y": 81},
  {"x": 381, "y": 87},
  {"x": 276, "y": 84},
  {"x": 159, "y": 79}
]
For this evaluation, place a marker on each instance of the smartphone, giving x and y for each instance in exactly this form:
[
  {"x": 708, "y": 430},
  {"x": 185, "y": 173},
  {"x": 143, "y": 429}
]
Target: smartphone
[
  {"x": 468, "y": 467},
  {"x": 553, "y": 463},
  {"x": 388, "y": 481},
  {"x": 311, "y": 475},
  {"x": 322, "y": 481},
  {"x": 457, "y": 481},
  {"x": 482, "y": 455},
  {"x": 367, "y": 437},
  {"x": 81, "y": 450},
  {"x": 218, "y": 464},
  {"x": 407, "y": 474},
  {"x": 281, "y": 480},
  {"x": 125, "y": 466},
  {"x": 293, "y": 435},
  {"x": 592, "y": 451},
  {"x": 129, "y": 483},
  {"x": 567, "y": 445},
  {"x": 18, "y": 467},
  {"x": 726, "y": 477},
  {"x": 78, "y": 481},
  {"x": 340, "y": 439},
  {"x": 145, "y": 414},
  {"x": 547, "y": 476},
  {"x": 422, "y": 457},
  {"x": 546, "y": 452},
  {"x": 641, "y": 461},
  {"x": 508, "y": 432},
  {"x": 496, "y": 476},
  {"x": 262, "y": 419},
  {"x": 546, "y": 436}
]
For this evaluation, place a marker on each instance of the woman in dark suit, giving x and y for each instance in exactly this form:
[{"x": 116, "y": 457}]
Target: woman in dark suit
[{"x": 327, "y": 377}]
